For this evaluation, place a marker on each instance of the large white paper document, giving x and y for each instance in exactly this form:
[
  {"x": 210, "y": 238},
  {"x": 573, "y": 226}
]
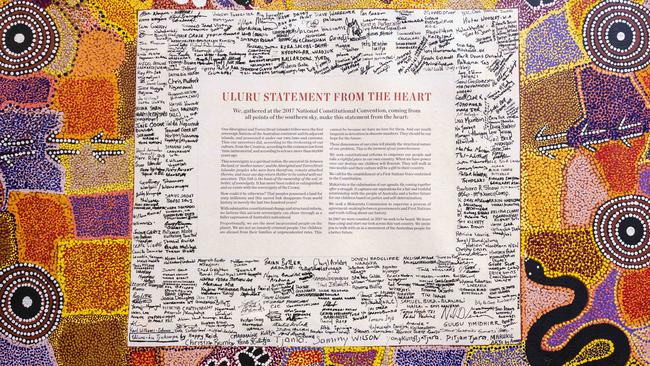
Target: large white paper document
[{"x": 326, "y": 178}]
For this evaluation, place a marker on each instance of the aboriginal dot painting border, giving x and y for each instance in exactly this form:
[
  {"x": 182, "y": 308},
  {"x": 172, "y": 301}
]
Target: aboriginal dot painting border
[{"x": 67, "y": 101}]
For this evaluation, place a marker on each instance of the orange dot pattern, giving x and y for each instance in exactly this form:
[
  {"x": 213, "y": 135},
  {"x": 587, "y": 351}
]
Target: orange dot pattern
[
  {"x": 635, "y": 309},
  {"x": 84, "y": 266},
  {"x": 89, "y": 105},
  {"x": 567, "y": 252},
  {"x": 41, "y": 221}
]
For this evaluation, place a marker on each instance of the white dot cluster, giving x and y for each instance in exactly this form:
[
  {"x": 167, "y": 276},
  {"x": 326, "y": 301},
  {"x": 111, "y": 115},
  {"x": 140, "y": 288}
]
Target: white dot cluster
[
  {"x": 604, "y": 35},
  {"x": 100, "y": 154},
  {"x": 606, "y": 224},
  {"x": 13, "y": 287},
  {"x": 56, "y": 154},
  {"x": 596, "y": 42},
  {"x": 7, "y": 142},
  {"x": 99, "y": 139},
  {"x": 8, "y": 157},
  {"x": 40, "y": 326},
  {"x": 55, "y": 140},
  {"x": 45, "y": 41},
  {"x": 616, "y": 225}
]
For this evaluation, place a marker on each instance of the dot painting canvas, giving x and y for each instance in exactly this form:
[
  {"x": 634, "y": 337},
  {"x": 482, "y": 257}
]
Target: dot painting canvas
[{"x": 551, "y": 98}]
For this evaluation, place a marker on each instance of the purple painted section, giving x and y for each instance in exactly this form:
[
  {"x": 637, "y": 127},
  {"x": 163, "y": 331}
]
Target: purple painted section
[
  {"x": 42, "y": 3},
  {"x": 102, "y": 216},
  {"x": 644, "y": 180},
  {"x": 224, "y": 4},
  {"x": 614, "y": 108},
  {"x": 431, "y": 357},
  {"x": 527, "y": 13},
  {"x": 32, "y": 91},
  {"x": 550, "y": 44},
  {"x": 508, "y": 355},
  {"x": 359, "y": 358},
  {"x": 602, "y": 308},
  {"x": 12, "y": 354},
  {"x": 32, "y": 170}
]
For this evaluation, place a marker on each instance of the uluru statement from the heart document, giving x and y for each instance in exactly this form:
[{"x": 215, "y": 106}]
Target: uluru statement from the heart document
[{"x": 326, "y": 178}]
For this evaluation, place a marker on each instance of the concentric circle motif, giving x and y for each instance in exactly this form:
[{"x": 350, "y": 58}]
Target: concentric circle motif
[
  {"x": 616, "y": 36},
  {"x": 622, "y": 231},
  {"x": 28, "y": 38},
  {"x": 31, "y": 302}
]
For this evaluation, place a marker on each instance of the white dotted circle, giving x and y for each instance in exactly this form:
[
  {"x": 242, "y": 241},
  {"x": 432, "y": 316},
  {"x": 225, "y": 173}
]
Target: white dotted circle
[
  {"x": 41, "y": 325},
  {"x": 596, "y": 31},
  {"x": 606, "y": 226},
  {"x": 44, "y": 38}
]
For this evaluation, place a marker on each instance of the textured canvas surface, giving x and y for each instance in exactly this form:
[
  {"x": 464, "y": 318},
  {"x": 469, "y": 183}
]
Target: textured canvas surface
[{"x": 67, "y": 104}]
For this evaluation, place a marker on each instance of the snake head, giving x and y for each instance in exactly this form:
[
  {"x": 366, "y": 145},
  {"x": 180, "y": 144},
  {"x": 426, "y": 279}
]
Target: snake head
[{"x": 534, "y": 269}]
